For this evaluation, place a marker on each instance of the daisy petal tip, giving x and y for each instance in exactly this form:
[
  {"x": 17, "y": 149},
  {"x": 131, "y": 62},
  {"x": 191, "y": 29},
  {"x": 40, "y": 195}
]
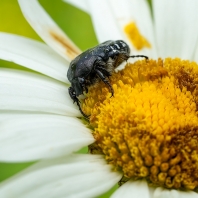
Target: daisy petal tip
[
  {"x": 82, "y": 4},
  {"x": 172, "y": 193},
  {"x": 133, "y": 189},
  {"x": 48, "y": 30}
]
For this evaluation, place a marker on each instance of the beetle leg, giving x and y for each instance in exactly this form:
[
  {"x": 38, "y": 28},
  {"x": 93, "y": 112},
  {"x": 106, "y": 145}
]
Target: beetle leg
[
  {"x": 103, "y": 78},
  {"x": 82, "y": 82},
  {"x": 102, "y": 69},
  {"x": 75, "y": 99},
  {"x": 84, "y": 88},
  {"x": 100, "y": 64}
]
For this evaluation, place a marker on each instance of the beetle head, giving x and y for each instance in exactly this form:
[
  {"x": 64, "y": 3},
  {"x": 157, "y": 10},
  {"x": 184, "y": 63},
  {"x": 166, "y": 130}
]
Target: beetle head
[
  {"x": 123, "y": 46},
  {"x": 77, "y": 86},
  {"x": 71, "y": 71}
]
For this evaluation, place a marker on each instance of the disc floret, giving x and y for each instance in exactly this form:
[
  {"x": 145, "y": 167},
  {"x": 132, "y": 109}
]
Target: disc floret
[{"x": 149, "y": 129}]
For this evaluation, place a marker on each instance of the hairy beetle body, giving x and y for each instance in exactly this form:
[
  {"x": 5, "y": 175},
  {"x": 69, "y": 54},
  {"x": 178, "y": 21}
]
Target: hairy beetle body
[{"x": 96, "y": 63}]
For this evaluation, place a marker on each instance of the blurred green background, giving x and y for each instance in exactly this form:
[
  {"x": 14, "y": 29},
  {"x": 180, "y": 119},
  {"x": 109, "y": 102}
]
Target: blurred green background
[{"x": 76, "y": 23}]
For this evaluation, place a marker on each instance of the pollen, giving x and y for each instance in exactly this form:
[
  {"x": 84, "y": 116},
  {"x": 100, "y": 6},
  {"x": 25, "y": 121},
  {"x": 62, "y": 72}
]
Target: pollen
[
  {"x": 134, "y": 35},
  {"x": 149, "y": 128}
]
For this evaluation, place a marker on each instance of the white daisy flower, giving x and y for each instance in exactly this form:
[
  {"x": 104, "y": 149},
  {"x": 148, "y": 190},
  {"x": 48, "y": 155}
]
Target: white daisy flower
[{"x": 39, "y": 121}]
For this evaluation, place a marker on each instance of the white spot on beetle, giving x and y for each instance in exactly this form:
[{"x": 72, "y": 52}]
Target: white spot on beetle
[{"x": 118, "y": 47}]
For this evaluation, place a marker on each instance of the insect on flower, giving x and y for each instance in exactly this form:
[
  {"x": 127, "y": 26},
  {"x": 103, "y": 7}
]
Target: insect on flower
[{"x": 97, "y": 63}]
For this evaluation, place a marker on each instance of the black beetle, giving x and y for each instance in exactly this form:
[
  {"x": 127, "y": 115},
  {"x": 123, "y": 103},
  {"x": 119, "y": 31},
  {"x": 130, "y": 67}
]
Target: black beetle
[{"x": 96, "y": 63}]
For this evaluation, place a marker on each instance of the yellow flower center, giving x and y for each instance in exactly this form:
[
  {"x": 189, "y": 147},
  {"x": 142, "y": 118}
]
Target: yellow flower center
[
  {"x": 149, "y": 129},
  {"x": 134, "y": 35}
]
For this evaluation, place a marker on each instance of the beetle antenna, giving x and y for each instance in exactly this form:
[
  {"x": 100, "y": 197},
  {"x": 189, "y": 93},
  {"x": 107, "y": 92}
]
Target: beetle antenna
[
  {"x": 142, "y": 56},
  {"x": 75, "y": 99},
  {"x": 86, "y": 116}
]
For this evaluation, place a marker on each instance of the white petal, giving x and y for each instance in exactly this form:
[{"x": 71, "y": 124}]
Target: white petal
[
  {"x": 135, "y": 189},
  {"x": 116, "y": 15},
  {"x": 33, "y": 137},
  {"x": 195, "y": 58},
  {"x": 33, "y": 55},
  {"x": 33, "y": 92},
  {"x": 105, "y": 25},
  {"x": 167, "y": 193},
  {"x": 138, "y": 12},
  {"x": 48, "y": 30},
  {"x": 72, "y": 177},
  {"x": 82, "y": 4},
  {"x": 176, "y": 27}
]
